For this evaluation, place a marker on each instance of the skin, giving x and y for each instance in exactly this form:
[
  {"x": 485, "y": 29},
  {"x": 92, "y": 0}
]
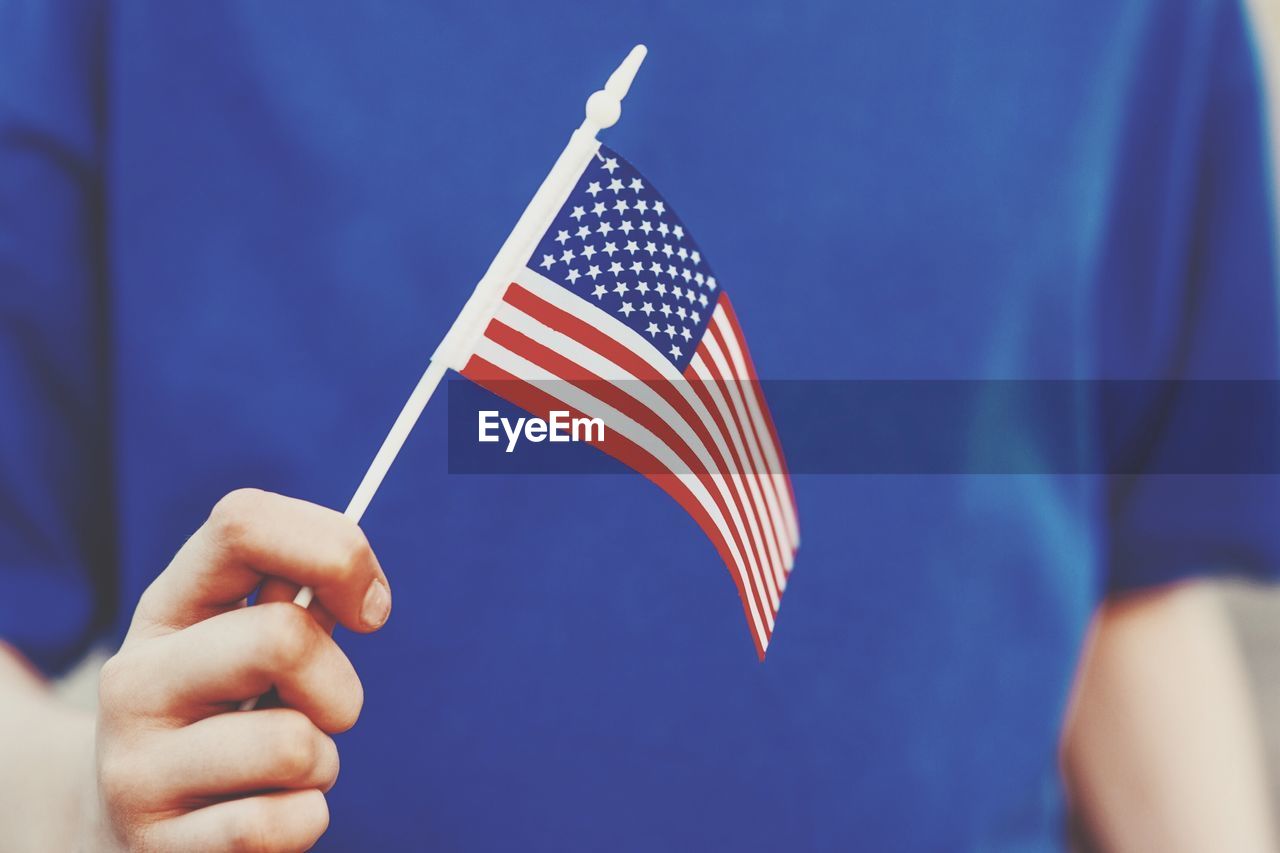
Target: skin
[
  {"x": 1160, "y": 748},
  {"x": 175, "y": 766}
]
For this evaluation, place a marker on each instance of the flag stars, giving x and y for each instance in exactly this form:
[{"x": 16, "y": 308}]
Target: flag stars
[{"x": 633, "y": 257}]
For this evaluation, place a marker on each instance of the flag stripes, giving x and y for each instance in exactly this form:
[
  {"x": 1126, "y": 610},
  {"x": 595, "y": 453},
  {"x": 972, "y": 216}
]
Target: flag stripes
[
  {"x": 698, "y": 436},
  {"x": 612, "y": 360},
  {"x": 728, "y": 326},
  {"x": 712, "y": 367}
]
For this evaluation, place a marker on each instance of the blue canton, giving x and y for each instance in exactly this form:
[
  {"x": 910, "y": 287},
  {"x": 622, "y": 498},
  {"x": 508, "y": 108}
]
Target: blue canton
[{"x": 618, "y": 244}]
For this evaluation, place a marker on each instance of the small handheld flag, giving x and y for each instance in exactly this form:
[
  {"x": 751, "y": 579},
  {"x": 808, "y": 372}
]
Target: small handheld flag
[
  {"x": 615, "y": 315},
  {"x": 600, "y": 301}
]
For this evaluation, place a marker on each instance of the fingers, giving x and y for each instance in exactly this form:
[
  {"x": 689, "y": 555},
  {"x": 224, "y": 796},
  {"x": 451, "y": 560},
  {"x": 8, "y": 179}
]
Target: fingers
[
  {"x": 214, "y": 664},
  {"x": 234, "y": 753},
  {"x": 170, "y": 749},
  {"x": 274, "y": 589},
  {"x": 270, "y": 823},
  {"x": 253, "y": 534}
]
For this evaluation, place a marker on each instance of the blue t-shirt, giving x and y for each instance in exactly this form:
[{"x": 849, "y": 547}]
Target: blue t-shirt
[{"x": 232, "y": 233}]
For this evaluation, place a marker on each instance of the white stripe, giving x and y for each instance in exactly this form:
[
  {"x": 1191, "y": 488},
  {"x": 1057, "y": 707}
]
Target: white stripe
[
  {"x": 779, "y": 563},
  {"x": 632, "y": 386},
  {"x": 623, "y": 334},
  {"x": 775, "y": 523},
  {"x": 762, "y": 429},
  {"x": 769, "y": 480},
  {"x": 524, "y": 369},
  {"x": 549, "y": 291}
]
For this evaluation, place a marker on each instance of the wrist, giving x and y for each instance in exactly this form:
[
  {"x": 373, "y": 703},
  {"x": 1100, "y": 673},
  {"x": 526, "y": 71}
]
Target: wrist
[{"x": 46, "y": 764}]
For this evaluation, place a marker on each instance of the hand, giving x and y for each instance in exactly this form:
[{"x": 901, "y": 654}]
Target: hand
[{"x": 178, "y": 766}]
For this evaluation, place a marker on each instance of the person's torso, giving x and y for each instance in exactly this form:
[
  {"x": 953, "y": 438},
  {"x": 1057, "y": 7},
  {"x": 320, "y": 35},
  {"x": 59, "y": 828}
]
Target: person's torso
[{"x": 299, "y": 202}]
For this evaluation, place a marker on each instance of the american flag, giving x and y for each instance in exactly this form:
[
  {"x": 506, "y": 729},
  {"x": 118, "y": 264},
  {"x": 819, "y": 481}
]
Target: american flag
[{"x": 617, "y": 315}]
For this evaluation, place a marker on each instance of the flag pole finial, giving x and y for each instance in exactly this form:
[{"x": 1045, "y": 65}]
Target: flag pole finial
[{"x": 605, "y": 106}]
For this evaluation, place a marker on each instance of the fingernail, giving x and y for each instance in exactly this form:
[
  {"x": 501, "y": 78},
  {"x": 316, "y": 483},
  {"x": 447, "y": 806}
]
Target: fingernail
[{"x": 377, "y": 605}]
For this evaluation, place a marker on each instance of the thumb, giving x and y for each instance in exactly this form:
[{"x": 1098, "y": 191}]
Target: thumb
[{"x": 252, "y": 535}]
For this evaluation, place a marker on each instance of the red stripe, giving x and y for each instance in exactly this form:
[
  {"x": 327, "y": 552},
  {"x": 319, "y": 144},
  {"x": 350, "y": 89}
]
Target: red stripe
[
  {"x": 749, "y": 470},
  {"x": 609, "y": 348},
  {"x": 732, "y": 317},
  {"x": 762, "y": 477},
  {"x": 612, "y": 395},
  {"x": 738, "y": 381},
  {"x": 539, "y": 403}
]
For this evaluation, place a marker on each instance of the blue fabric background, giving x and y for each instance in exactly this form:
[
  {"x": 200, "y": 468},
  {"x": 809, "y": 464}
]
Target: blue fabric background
[{"x": 231, "y": 234}]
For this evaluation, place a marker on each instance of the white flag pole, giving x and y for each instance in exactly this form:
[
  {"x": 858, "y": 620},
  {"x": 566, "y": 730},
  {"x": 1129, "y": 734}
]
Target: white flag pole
[{"x": 603, "y": 109}]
